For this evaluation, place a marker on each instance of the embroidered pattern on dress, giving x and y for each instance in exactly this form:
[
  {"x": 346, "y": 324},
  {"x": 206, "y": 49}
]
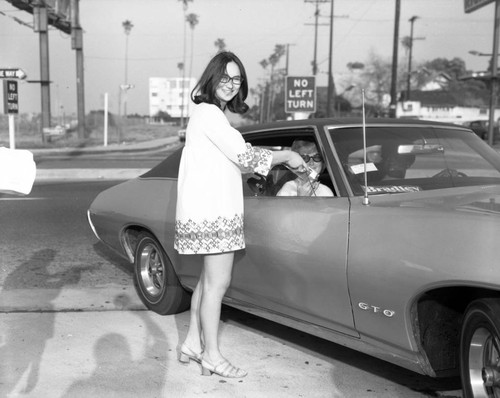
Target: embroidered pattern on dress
[
  {"x": 255, "y": 159},
  {"x": 209, "y": 236}
]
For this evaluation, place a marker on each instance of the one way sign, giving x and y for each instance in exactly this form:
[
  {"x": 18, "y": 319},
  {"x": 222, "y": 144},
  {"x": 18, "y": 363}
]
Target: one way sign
[{"x": 12, "y": 73}]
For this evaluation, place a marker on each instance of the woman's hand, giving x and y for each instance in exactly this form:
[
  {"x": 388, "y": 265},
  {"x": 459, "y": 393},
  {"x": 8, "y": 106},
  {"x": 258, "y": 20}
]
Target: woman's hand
[{"x": 295, "y": 161}]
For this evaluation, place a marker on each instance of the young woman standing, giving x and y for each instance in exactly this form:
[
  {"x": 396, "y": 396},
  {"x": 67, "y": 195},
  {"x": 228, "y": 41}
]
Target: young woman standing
[{"x": 209, "y": 217}]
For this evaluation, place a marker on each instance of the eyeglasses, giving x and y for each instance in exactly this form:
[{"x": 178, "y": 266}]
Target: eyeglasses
[
  {"x": 317, "y": 158},
  {"x": 236, "y": 80}
]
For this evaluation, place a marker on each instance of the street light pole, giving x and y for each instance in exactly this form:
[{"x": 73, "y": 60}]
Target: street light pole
[{"x": 412, "y": 21}]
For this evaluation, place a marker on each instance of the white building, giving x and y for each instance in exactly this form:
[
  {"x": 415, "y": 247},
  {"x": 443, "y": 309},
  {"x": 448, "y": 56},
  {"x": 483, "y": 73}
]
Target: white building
[
  {"x": 171, "y": 95},
  {"x": 441, "y": 106}
]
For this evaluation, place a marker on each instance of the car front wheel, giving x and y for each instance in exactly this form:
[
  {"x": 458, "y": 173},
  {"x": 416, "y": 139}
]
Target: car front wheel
[
  {"x": 155, "y": 279},
  {"x": 480, "y": 349}
]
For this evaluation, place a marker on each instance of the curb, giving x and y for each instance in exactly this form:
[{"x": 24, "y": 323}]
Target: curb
[
  {"x": 45, "y": 175},
  {"x": 145, "y": 146}
]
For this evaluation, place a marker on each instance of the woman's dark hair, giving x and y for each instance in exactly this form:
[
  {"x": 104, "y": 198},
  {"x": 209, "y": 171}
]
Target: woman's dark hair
[{"x": 204, "y": 91}]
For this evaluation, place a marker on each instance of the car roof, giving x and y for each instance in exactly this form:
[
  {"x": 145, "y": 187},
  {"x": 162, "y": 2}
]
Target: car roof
[{"x": 355, "y": 121}]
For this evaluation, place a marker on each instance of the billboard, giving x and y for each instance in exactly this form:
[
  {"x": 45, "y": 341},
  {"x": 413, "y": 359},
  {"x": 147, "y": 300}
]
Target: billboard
[
  {"x": 58, "y": 12},
  {"x": 473, "y": 5}
]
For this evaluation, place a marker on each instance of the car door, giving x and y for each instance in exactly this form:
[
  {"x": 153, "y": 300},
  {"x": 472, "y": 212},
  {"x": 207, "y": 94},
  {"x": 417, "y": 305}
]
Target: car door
[{"x": 294, "y": 264}]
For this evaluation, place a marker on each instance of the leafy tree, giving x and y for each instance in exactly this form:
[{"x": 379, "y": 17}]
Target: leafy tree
[
  {"x": 163, "y": 116},
  {"x": 271, "y": 94},
  {"x": 466, "y": 92},
  {"x": 375, "y": 74}
]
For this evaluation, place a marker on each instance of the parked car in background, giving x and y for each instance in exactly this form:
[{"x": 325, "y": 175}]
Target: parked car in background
[
  {"x": 54, "y": 132},
  {"x": 401, "y": 263},
  {"x": 182, "y": 135},
  {"x": 480, "y": 127}
]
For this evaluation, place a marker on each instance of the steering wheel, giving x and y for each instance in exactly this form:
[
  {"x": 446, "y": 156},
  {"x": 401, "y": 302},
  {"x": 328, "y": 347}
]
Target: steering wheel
[{"x": 449, "y": 173}]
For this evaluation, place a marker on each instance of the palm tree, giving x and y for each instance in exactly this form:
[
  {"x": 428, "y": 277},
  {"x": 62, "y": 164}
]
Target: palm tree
[
  {"x": 192, "y": 20},
  {"x": 127, "y": 26},
  {"x": 263, "y": 95},
  {"x": 274, "y": 58},
  {"x": 220, "y": 44},
  {"x": 184, "y": 7}
]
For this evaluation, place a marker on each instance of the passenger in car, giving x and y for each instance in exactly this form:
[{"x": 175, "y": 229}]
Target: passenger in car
[{"x": 304, "y": 185}]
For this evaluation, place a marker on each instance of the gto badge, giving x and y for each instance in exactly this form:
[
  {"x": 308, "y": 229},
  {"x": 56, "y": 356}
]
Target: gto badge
[{"x": 376, "y": 310}]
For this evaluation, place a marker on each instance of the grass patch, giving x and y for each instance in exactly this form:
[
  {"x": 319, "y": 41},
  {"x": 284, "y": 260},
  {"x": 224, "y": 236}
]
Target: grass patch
[{"x": 28, "y": 133}]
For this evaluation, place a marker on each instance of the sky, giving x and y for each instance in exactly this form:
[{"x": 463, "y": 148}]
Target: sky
[{"x": 250, "y": 28}]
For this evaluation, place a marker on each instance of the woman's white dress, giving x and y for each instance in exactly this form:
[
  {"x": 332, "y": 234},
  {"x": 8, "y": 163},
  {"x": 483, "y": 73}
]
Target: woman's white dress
[{"x": 209, "y": 216}]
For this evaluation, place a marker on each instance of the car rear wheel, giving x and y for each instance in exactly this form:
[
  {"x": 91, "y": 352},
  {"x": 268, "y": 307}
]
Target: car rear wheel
[
  {"x": 480, "y": 349},
  {"x": 155, "y": 279}
]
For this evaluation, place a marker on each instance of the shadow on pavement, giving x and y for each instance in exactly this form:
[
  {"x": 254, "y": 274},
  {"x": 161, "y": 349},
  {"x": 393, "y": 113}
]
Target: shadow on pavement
[
  {"x": 19, "y": 356},
  {"x": 330, "y": 350},
  {"x": 116, "y": 371}
]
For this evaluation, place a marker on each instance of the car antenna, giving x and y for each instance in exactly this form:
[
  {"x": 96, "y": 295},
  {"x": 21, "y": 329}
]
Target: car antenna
[{"x": 366, "y": 201}]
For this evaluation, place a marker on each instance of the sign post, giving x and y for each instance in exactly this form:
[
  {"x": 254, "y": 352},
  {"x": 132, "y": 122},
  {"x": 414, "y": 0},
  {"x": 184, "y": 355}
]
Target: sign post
[
  {"x": 11, "y": 98},
  {"x": 300, "y": 94},
  {"x": 11, "y": 107}
]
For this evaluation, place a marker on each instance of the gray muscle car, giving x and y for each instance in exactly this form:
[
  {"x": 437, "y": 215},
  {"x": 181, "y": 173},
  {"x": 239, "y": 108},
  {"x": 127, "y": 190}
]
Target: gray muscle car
[{"x": 401, "y": 263}]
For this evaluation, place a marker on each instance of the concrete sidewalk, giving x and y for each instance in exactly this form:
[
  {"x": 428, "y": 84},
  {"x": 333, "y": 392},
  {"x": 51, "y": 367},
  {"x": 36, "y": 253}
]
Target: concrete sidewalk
[
  {"x": 110, "y": 347},
  {"x": 100, "y": 342}
]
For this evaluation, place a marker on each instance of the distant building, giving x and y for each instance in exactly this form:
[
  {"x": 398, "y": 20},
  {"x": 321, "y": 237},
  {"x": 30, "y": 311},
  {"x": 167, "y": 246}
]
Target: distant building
[
  {"x": 441, "y": 106},
  {"x": 171, "y": 95}
]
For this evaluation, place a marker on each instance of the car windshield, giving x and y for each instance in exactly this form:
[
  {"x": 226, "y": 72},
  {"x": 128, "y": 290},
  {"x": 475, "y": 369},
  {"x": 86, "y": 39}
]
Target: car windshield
[{"x": 414, "y": 158}]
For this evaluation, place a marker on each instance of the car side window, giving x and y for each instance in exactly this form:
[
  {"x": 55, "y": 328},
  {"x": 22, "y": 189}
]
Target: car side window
[
  {"x": 281, "y": 181},
  {"x": 412, "y": 158}
]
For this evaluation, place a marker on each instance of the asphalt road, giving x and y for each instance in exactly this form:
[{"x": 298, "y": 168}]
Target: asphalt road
[
  {"x": 52, "y": 223},
  {"x": 47, "y": 246}
]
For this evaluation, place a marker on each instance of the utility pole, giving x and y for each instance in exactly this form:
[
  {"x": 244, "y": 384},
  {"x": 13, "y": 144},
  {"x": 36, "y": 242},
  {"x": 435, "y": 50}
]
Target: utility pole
[
  {"x": 394, "y": 75},
  {"x": 77, "y": 45},
  {"x": 331, "y": 87},
  {"x": 41, "y": 26},
  {"x": 408, "y": 88},
  {"x": 494, "y": 73},
  {"x": 316, "y": 16}
]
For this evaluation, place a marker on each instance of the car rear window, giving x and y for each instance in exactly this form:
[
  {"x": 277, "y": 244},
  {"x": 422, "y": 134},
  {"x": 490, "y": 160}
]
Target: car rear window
[{"x": 169, "y": 168}]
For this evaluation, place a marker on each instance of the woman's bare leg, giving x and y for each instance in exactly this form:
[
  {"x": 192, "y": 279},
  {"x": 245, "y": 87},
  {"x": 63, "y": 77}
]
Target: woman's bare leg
[
  {"x": 216, "y": 279},
  {"x": 193, "y": 337}
]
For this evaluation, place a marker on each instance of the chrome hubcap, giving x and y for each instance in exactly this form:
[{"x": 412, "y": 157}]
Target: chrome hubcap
[
  {"x": 484, "y": 364},
  {"x": 151, "y": 270}
]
